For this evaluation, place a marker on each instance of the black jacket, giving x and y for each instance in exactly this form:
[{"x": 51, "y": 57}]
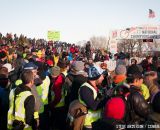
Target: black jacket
[
  {"x": 86, "y": 95},
  {"x": 78, "y": 80},
  {"x": 29, "y": 104},
  {"x": 108, "y": 124},
  {"x": 73, "y": 84},
  {"x": 138, "y": 108},
  {"x": 155, "y": 117}
]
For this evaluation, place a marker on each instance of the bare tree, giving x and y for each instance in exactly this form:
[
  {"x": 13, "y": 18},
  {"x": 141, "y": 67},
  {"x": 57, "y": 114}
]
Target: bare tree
[
  {"x": 99, "y": 42},
  {"x": 128, "y": 46},
  {"x": 139, "y": 48}
]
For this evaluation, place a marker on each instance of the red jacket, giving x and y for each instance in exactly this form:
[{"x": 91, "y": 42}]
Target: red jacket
[
  {"x": 57, "y": 89},
  {"x": 72, "y": 50}
]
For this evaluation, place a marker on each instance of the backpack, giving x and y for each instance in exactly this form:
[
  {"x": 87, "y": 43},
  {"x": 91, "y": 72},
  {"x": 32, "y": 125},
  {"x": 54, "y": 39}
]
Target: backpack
[
  {"x": 76, "y": 115},
  {"x": 68, "y": 82},
  {"x": 67, "y": 86}
]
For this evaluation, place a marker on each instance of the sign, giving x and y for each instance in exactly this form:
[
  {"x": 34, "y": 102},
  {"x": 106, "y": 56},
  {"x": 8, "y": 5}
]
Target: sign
[
  {"x": 113, "y": 46},
  {"x": 139, "y": 32},
  {"x": 113, "y": 41},
  {"x": 54, "y": 35},
  {"x": 147, "y": 40}
]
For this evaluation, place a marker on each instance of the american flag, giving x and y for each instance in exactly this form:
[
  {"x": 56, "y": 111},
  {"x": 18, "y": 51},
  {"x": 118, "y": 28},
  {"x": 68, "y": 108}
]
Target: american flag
[{"x": 151, "y": 13}]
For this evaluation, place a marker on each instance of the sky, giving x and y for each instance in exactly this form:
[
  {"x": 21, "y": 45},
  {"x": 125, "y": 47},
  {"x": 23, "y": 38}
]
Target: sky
[{"x": 77, "y": 20}]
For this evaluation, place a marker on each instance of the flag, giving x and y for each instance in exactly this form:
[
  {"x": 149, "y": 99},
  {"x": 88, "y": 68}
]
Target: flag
[{"x": 151, "y": 14}]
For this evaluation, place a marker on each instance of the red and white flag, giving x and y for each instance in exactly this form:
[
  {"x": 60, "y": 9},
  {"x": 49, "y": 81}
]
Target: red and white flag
[{"x": 151, "y": 13}]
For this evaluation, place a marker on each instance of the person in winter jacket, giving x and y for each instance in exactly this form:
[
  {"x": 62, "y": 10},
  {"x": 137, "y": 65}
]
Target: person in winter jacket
[
  {"x": 147, "y": 64},
  {"x": 120, "y": 75},
  {"x": 21, "y": 104},
  {"x": 59, "y": 112},
  {"x": 43, "y": 90},
  {"x": 4, "y": 99},
  {"x": 3, "y": 57},
  {"x": 155, "y": 115},
  {"x": 138, "y": 107},
  {"x": 79, "y": 77},
  {"x": 150, "y": 79},
  {"x": 113, "y": 115},
  {"x": 37, "y": 81},
  {"x": 144, "y": 87},
  {"x": 89, "y": 96}
]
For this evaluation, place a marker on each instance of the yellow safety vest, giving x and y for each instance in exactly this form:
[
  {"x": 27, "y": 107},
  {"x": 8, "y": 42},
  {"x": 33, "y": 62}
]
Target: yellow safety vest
[
  {"x": 19, "y": 82},
  {"x": 19, "y": 109},
  {"x": 62, "y": 101},
  {"x": 42, "y": 91},
  {"x": 92, "y": 116}
]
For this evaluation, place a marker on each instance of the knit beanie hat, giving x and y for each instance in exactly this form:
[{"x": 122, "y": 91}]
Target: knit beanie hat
[
  {"x": 133, "y": 69},
  {"x": 55, "y": 71},
  {"x": 94, "y": 72},
  {"x": 115, "y": 108},
  {"x": 120, "y": 70},
  {"x": 77, "y": 65}
]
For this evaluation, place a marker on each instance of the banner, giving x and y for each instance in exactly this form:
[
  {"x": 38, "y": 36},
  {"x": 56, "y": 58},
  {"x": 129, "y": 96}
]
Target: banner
[
  {"x": 54, "y": 35},
  {"x": 139, "y": 32}
]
